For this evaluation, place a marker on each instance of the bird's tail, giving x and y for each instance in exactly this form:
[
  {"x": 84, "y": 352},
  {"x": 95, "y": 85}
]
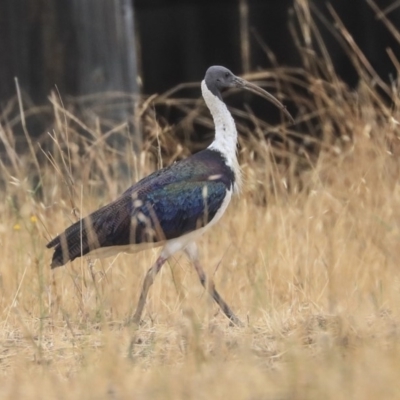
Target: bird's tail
[{"x": 75, "y": 241}]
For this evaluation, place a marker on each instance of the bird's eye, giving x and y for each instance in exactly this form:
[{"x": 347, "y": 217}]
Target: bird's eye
[{"x": 226, "y": 74}]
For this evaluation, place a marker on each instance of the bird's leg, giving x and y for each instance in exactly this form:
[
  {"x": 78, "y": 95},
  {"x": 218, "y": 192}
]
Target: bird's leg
[
  {"x": 215, "y": 295},
  {"x": 148, "y": 281},
  {"x": 192, "y": 253}
]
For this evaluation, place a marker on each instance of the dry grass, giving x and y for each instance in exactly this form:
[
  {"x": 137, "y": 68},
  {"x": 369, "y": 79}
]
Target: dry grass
[{"x": 314, "y": 272}]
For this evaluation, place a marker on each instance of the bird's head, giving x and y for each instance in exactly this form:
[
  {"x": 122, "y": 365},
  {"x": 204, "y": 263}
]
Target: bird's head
[{"x": 218, "y": 78}]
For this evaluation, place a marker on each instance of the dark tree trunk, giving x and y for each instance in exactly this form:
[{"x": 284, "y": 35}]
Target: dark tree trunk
[
  {"x": 105, "y": 51},
  {"x": 81, "y": 46}
]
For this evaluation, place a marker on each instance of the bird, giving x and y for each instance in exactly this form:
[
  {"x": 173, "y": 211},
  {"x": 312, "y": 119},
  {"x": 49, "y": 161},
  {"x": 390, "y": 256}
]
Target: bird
[{"x": 173, "y": 206}]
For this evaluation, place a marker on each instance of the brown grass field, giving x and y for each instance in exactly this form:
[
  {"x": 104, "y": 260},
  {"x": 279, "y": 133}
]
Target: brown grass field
[{"x": 307, "y": 256}]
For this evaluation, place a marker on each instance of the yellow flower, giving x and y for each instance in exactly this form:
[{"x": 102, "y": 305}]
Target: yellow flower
[
  {"x": 17, "y": 227},
  {"x": 33, "y": 219}
]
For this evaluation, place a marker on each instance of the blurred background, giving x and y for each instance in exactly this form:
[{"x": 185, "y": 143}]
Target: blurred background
[{"x": 83, "y": 48}]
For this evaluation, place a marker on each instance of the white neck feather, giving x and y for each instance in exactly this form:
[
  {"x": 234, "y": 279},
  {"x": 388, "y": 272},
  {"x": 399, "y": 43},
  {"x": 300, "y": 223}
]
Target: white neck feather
[{"x": 225, "y": 131}]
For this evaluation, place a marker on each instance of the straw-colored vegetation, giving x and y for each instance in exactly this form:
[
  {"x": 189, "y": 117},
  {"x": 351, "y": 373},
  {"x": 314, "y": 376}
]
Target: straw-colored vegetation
[{"x": 308, "y": 256}]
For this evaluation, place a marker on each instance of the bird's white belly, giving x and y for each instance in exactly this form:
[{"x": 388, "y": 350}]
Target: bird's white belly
[{"x": 112, "y": 251}]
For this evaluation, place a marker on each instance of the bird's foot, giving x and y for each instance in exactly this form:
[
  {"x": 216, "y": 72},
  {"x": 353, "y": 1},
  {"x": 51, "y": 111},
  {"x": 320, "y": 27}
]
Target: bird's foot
[
  {"x": 133, "y": 321},
  {"x": 235, "y": 321}
]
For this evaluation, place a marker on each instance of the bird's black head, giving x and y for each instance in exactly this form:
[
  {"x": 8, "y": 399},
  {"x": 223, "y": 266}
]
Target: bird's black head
[{"x": 218, "y": 78}]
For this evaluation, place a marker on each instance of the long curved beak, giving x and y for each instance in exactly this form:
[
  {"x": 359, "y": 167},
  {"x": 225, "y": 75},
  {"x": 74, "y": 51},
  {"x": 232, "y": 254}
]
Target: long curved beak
[{"x": 242, "y": 83}]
